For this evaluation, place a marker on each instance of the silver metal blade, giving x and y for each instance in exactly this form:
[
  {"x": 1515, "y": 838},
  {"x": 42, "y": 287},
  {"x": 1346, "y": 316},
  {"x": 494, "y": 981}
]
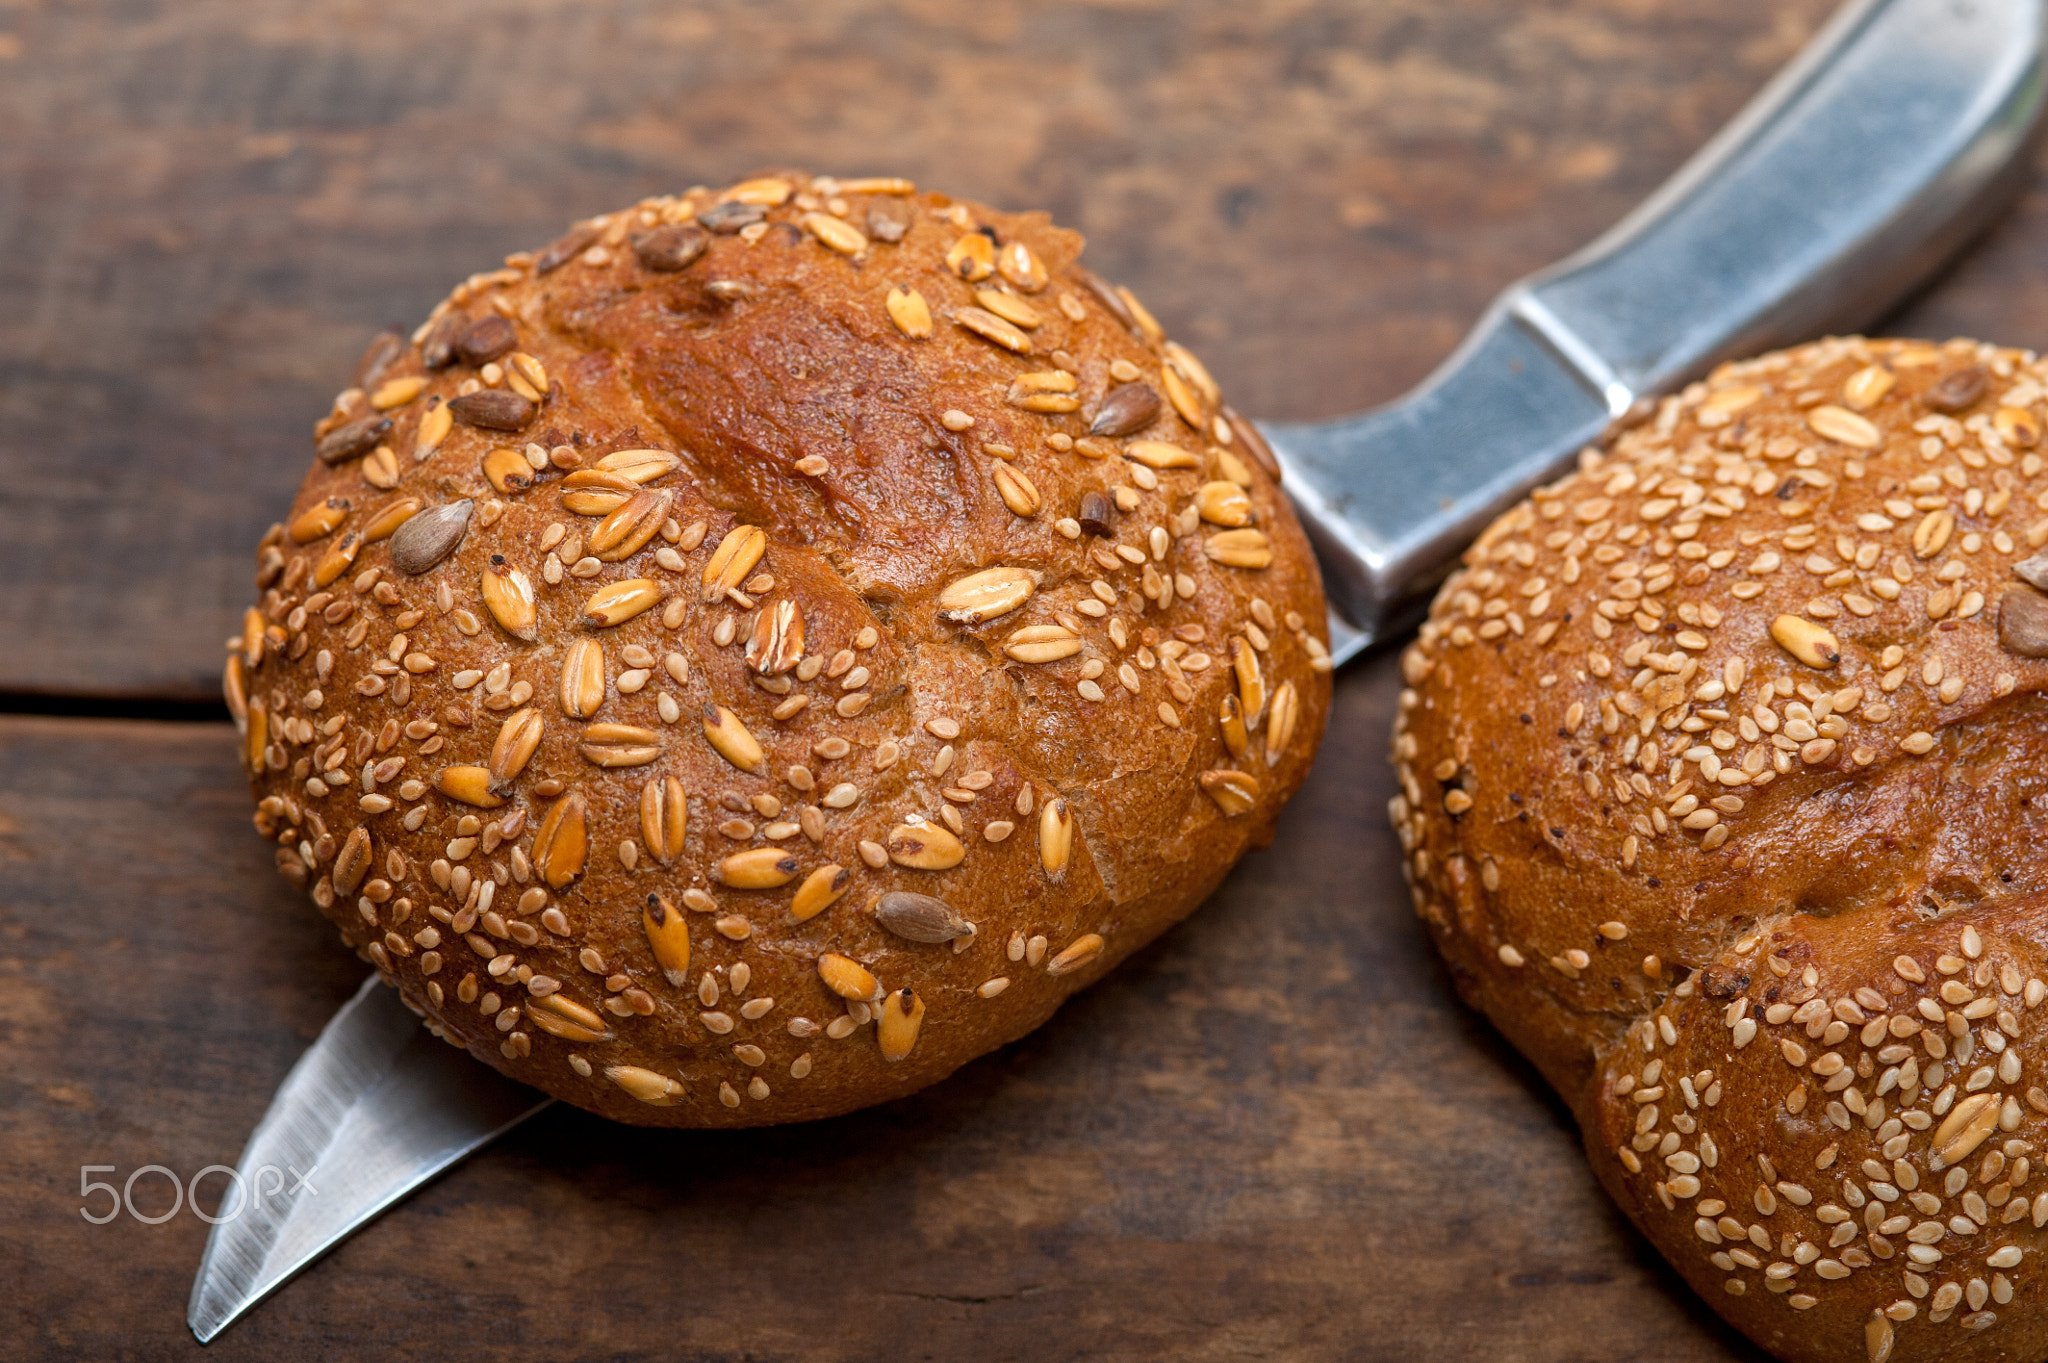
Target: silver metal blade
[
  {"x": 1853, "y": 174},
  {"x": 1454, "y": 452},
  {"x": 1844, "y": 184},
  {"x": 373, "y": 1110}
]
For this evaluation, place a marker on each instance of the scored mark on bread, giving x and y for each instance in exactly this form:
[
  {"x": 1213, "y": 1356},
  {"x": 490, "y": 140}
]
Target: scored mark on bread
[
  {"x": 1787, "y": 613},
  {"x": 529, "y": 871}
]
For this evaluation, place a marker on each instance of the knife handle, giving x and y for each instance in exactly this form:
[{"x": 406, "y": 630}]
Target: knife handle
[{"x": 1861, "y": 167}]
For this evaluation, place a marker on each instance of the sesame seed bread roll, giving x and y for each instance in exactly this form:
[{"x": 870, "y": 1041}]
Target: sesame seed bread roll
[
  {"x": 771, "y": 646},
  {"x": 1721, "y": 767}
]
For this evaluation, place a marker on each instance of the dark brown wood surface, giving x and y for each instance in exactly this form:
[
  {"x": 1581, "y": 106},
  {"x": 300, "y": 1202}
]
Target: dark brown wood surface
[{"x": 1274, "y": 1135}]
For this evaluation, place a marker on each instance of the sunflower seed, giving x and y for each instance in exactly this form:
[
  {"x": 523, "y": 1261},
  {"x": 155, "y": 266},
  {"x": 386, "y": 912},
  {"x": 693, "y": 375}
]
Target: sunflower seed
[
  {"x": 1098, "y": 515},
  {"x": 1126, "y": 411},
  {"x": 731, "y": 216},
  {"x": 2023, "y": 623},
  {"x": 1106, "y": 294},
  {"x": 493, "y": 409},
  {"x": 352, "y": 440},
  {"x": 1247, "y": 436},
  {"x": 888, "y": 220},
  {"x": 437, "y": 347},
  {"x": 670, "y": 247},
  {"x": 564, "y": 250},
  {"x": 432, "y": 535},
  {"x": 920, "y": 917},
  {"x": 1958, "y": 390},
  {"x": 485, "y": 340},
  {"x": 385, "y": 347}
]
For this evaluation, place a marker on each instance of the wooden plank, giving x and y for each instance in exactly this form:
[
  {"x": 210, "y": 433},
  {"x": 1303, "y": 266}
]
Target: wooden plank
[
  {"x": 207, "y": 207},
  {"x": 1275, "y": 1134}
]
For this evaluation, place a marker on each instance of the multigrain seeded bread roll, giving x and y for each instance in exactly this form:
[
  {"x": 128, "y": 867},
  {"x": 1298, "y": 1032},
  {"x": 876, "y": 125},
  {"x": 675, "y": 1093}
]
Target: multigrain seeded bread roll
[
  {"x": 1724, "y": 771},
  {"x": 771, "y": 646}
]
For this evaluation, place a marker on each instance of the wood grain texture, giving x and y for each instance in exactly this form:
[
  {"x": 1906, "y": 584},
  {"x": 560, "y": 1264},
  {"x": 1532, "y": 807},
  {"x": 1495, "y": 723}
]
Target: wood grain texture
[
  {"x": 1275, "y": 1134},
  {"x": 206, "y": 208}
]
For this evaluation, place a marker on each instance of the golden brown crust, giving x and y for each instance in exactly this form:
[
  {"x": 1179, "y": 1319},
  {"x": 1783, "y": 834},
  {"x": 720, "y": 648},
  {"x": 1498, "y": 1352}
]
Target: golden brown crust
[
  {"x": 1721, "y": 768},
  {"x": 610, "y": 774}
]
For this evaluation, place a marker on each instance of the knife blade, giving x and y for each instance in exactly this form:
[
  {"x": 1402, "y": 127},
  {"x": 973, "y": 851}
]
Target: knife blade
[
  {"x": 375, "y": 1108},
  {"x": 1890, "y": 141},
  {"x": 1859, "y": 169}
]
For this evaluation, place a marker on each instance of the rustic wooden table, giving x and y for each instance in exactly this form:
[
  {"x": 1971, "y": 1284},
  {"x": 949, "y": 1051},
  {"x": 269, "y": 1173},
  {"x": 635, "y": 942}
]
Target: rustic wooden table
[{"x": 1275, "y": 1134}]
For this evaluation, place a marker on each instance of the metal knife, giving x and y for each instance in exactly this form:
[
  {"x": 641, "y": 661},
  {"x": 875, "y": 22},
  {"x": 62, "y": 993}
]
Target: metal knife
[{"x": 1887, "y": 143}]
